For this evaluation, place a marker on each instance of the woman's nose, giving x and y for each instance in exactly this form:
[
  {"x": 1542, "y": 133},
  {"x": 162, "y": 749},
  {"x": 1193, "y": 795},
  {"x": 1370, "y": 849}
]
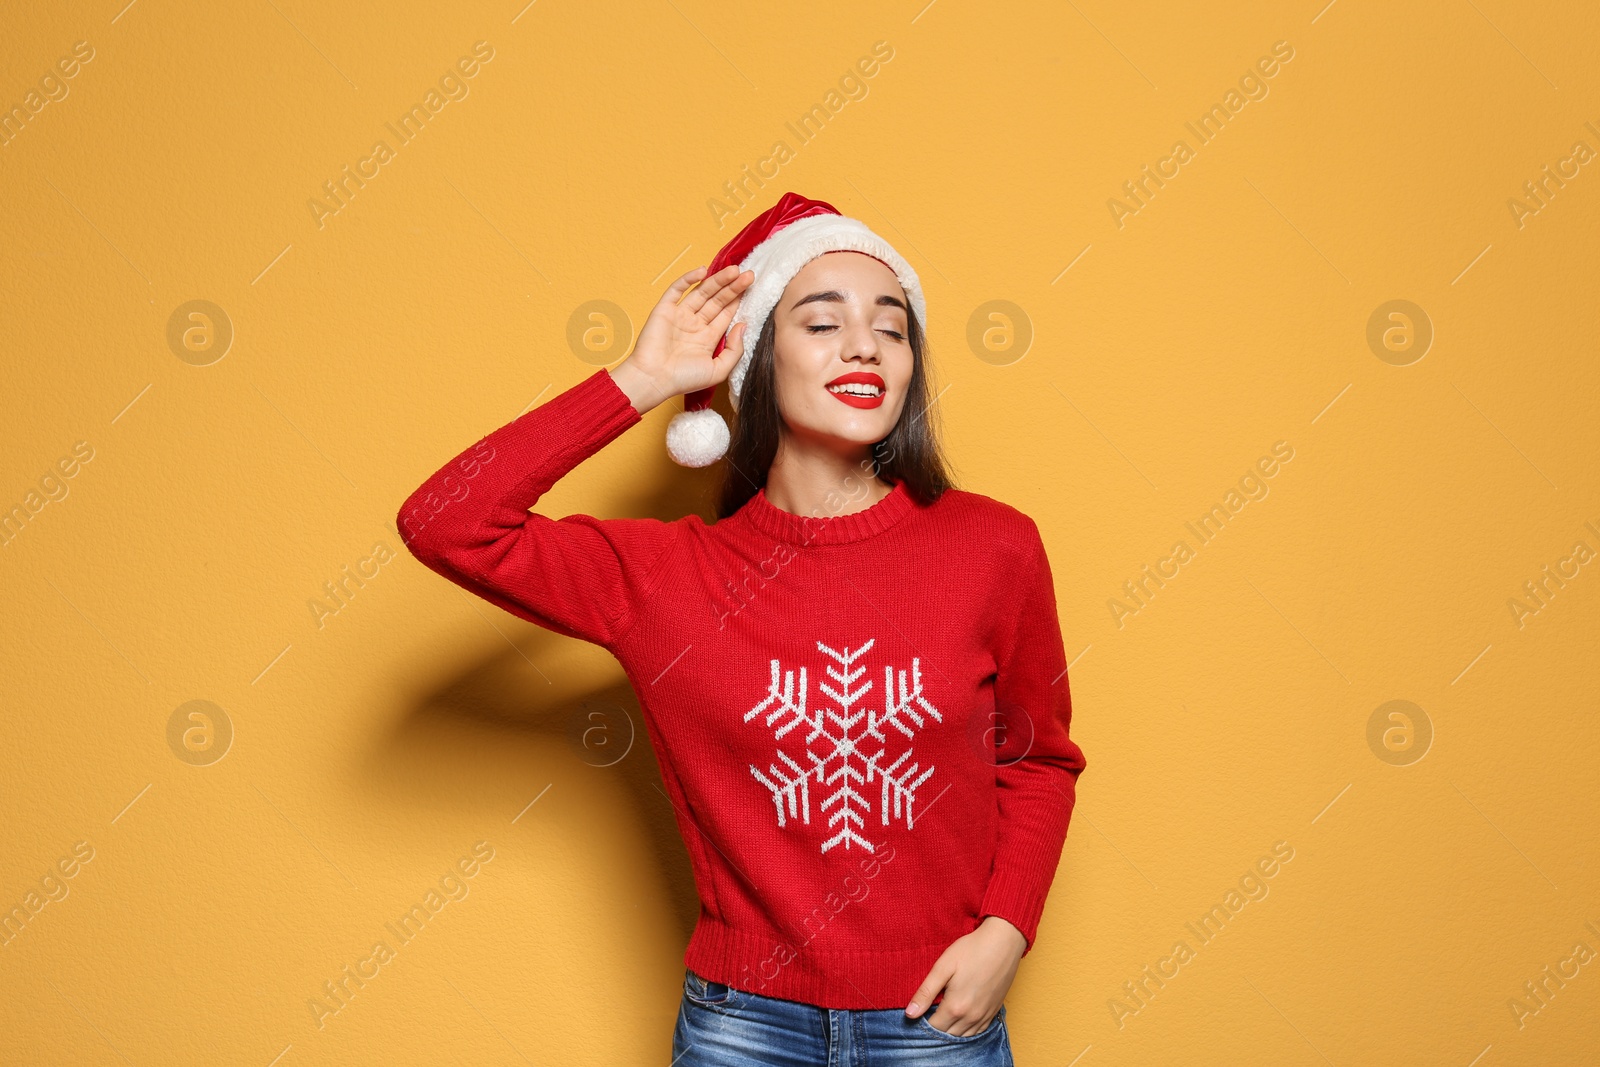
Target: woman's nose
[{"x": 861, "y": 342}]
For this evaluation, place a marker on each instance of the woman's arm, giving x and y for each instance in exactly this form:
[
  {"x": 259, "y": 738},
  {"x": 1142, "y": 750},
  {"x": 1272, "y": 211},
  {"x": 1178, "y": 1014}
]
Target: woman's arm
[
  {"x": 1038, "y": 763},
  {"x": 579, "y": 576},
  {"x": 1036, "y": 775}
]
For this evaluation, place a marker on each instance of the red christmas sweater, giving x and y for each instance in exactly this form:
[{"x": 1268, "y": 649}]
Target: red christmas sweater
[{"x": 861, "y": 720}]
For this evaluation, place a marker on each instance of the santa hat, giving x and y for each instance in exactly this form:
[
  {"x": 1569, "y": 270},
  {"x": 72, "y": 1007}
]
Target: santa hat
[{"x": 775, "y": 246}]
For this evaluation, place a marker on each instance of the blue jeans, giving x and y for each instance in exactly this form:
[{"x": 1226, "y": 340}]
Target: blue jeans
[{"x": 719, "y": 1026}]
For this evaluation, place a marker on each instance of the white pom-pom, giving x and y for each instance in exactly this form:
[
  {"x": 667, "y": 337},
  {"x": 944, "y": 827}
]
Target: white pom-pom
[{"x": 697, "y": 438}]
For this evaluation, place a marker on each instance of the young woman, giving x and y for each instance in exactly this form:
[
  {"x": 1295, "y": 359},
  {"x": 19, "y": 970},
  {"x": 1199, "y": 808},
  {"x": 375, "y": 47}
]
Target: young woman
[{"x": 854, "y": 680}]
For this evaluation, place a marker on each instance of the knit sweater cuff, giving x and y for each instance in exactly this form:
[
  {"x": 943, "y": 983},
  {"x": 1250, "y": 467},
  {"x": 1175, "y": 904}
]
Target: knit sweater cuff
[
  {"x": 599, "y": 404},
  {"x": 1018, "y": 898}
]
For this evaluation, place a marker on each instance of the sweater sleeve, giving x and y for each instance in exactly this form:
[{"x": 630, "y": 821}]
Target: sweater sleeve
[
  {"x": 578, "y": 576},
  {"x": 1037, "y": 762}
]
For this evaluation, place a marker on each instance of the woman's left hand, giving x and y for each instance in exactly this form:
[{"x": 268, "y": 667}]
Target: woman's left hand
[{"x": 975, "y": 973}]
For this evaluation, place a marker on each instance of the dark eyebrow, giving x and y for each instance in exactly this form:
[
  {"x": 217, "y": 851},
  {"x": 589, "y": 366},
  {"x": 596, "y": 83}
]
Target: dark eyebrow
[{"x": 833, "y": 296}]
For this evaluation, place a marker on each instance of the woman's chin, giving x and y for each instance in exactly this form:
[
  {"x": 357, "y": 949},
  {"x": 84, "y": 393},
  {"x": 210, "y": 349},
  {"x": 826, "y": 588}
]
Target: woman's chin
[
  {"x": 863, "y": 428},
  {"x": 855, "y": 438}
]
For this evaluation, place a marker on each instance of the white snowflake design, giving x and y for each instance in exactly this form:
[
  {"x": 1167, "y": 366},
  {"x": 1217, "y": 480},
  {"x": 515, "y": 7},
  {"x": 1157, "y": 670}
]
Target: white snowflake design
[{"x": 845, "y": 758}]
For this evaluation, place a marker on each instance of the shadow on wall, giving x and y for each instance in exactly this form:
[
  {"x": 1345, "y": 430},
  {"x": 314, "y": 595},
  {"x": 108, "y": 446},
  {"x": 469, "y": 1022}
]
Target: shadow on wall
[{"x": 483, "y": 736}]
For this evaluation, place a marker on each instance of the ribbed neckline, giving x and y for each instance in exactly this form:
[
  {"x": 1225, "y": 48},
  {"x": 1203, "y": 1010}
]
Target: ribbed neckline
[{"x": 770, "y": 519}]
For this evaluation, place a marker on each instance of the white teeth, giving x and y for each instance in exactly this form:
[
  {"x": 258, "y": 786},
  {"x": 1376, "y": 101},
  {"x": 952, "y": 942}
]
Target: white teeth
[{"x": 856, "y": 389}]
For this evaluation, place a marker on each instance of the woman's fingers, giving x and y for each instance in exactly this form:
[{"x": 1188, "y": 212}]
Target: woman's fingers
[
  {"x": 722, "y": 363},
  {"x": 726, "y": 296},
  {"x": 708, "y": 284},
  {"x": 679, "y": 287},
  {"x": 724, "y": 314},
  {"x": 710, "y": 287}
]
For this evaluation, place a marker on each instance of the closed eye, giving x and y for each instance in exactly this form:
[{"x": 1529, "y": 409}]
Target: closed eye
[{"x": 821, "y": 327}]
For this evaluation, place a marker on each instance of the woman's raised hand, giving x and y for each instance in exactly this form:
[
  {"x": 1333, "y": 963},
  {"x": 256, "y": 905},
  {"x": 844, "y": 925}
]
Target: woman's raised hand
[{"x": 673, "y": 353}]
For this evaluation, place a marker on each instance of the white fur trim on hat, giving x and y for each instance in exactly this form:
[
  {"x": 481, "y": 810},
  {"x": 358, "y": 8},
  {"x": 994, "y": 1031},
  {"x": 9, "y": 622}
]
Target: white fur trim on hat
[{"x": 780, "y": 257}]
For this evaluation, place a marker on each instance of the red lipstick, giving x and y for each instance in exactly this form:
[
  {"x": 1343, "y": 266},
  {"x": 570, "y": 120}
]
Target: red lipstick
[{"x": 860, "y": 398}]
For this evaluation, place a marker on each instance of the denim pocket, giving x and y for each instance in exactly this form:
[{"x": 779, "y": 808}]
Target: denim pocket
[
  {"x": 995, "y": 1024},
  {"x": 704, "y": 992}
]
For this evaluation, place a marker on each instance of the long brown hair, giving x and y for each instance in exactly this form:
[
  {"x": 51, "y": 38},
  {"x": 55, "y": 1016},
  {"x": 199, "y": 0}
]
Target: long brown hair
[{"x": 910, "y": 453}]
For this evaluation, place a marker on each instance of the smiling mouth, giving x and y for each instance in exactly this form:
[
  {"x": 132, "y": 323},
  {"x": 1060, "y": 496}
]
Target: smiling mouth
[{"x": 859, "y": 389}]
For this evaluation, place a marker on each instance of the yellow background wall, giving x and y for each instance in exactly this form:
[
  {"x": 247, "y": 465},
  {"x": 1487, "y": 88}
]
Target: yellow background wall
[{"x": 1145, "y": 360}]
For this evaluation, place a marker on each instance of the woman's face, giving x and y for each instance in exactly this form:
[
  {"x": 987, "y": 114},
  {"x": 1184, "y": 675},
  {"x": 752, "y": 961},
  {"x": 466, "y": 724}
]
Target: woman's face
[{"x": 843, "y": 351}]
